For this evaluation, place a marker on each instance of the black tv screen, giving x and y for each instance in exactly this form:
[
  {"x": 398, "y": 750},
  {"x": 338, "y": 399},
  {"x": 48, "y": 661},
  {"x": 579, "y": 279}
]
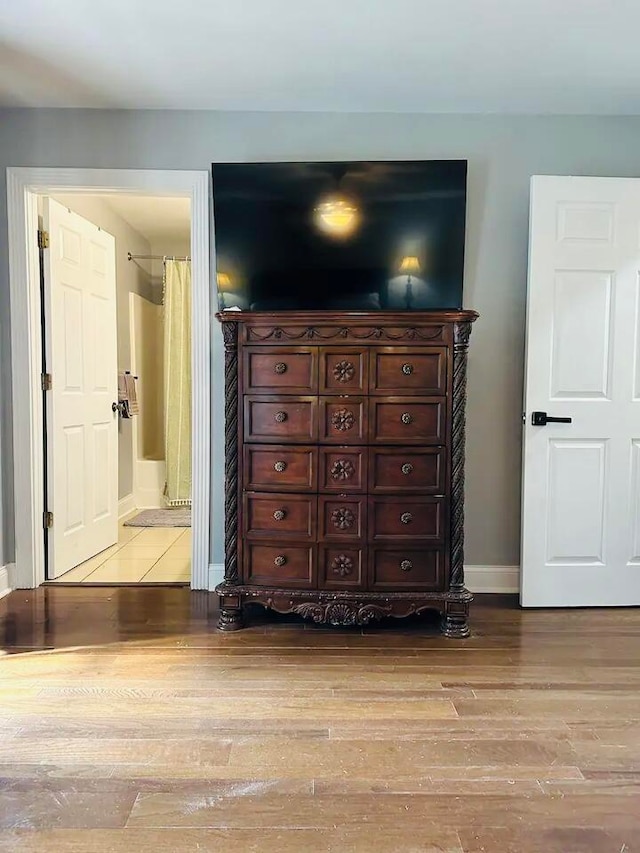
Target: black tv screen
[{"x": 345, "y": 236}]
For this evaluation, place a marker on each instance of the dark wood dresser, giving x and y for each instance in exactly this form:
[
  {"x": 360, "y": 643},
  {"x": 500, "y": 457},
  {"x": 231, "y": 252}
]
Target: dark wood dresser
[{"x": 344, "y": 471}]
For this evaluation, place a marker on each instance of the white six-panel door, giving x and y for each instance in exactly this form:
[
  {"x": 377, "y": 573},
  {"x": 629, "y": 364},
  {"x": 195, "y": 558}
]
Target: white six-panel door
[
  {"x": 81, "y": 355},
  {"x": 581, "y": 480}
]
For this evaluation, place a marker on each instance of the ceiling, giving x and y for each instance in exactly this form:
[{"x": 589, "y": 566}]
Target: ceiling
[
  {"x": 156, "y": 219},
  {"x": 504, "y": 56}
]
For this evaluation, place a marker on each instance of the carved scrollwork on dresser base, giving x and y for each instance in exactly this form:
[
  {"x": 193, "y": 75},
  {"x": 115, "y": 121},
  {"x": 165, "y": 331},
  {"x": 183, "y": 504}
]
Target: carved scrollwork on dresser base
[{"x": 349, "y": 609}]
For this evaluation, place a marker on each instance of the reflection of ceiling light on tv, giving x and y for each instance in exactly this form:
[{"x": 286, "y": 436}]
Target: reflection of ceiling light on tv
[{"x": 336, "y": 217}]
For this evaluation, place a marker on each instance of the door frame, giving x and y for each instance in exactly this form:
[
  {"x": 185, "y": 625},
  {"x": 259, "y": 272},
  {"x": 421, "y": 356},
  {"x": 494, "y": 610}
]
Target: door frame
[{"x": 23, "y": 187}]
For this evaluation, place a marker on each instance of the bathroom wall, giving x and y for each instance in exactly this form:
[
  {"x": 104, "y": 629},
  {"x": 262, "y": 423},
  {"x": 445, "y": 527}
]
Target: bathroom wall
[{"x": 131, "y": 277}]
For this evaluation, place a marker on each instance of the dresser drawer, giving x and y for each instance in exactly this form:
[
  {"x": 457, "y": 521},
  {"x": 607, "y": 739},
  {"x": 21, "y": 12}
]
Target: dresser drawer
[
  {"x": 397, "y": 518},
  {"x": 277, "y": 469},
  {"x": 342, "y": 517},
  {"x": 405, "y": 370},
  {"x": 280, "y": 516},
  {"x": 341, "y": 567},
  {"x": 342, "y": 469},
  {"x": 343, "y": 420},
  {"x": 392, "y": 469},
  {"x": 279, "y": 565},
  {"x": 344, "y": 370},
  {"x": 286, "y": 370},
  {"x": 405, "y": 568},
  {"x": 407, "y": 420},
  {"x": 281, "y": 419}
]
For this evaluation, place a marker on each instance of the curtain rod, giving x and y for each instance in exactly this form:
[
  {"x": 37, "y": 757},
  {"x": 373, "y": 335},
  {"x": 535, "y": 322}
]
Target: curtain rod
[{"x": 131, "y": 257}]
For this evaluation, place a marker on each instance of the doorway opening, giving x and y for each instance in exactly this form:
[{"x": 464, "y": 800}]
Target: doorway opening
[
  {"x": 116, "y": 272},
  {"x": 24, "y": 188}
]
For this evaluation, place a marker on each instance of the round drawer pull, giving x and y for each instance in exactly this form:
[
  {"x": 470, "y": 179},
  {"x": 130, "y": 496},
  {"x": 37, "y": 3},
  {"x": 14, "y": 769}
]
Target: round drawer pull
[
  {"x": 406, "y": 518},
  {"x": 280, "y": 417},
  {"x": 280, "y": 560},
  {"x": 406, "y": 565},
  {"x": 280, "y": 467},
  {"x": 406, "y": 418},
  {"x": 407, "y": 369},
  {"x": 280, "y": 367},
  {"x": 407, "y": 468},
  {"x": 279, "y": 514}
]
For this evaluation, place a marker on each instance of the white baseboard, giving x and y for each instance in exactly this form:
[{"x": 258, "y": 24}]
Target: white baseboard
[
  {"x": 6, "y": 578},
  {"x": 492, "y": 578},
  {"x": 477, "y": 578},
  {"x": 126, "y": 505},
  {"x": 216, "y": 575}
]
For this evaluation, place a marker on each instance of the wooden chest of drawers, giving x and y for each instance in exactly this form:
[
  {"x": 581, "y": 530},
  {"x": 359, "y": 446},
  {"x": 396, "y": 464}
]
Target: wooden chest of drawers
[{"x": 344, "y": 471}]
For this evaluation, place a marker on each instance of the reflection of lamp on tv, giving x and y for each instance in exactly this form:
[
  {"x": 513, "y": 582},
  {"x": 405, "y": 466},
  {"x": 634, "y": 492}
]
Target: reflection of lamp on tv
[
  {"x": 225, "y": 288},
  {"x": 411, "y": 266}
]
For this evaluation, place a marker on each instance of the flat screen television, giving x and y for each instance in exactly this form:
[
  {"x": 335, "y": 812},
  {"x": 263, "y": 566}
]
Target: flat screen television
[{"x": 345, "y": 236}]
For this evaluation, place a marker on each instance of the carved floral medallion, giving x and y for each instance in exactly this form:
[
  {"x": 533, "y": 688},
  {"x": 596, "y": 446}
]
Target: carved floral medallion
[
  {"x": 344, "y": 371},
  {"x": 343, "y": 419},
  {"x": 342, "y": 565},
  {"x": 342, "y": 469},
  {"x": 343, "y": 518}
]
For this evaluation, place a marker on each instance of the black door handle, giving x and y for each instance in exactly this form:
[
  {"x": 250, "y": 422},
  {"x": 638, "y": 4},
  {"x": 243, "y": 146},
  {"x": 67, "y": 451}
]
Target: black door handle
[{"x": 542, "y": 419}]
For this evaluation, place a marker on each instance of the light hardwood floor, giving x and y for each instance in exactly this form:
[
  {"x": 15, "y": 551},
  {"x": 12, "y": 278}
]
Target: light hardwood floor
[{"x": 128, "y": 723}]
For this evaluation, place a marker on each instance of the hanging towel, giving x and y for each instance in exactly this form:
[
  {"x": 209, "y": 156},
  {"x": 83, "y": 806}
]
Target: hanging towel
[
  {"x": 122, "y": 388},
  {"x": 123, "y": 396},
  {"x": 132, "y": 394}
]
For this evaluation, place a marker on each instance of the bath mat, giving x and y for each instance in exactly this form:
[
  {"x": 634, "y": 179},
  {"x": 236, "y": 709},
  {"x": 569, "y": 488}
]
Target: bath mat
[{"x": 178, "y": 517}]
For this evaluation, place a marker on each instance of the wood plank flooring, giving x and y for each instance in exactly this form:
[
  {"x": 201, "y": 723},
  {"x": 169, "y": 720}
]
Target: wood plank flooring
[{"x": 128, "y": 723}]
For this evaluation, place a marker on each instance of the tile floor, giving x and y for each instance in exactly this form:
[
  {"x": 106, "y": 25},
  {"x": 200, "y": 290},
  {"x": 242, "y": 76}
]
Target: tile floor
[{"x": 142, "y": 554}]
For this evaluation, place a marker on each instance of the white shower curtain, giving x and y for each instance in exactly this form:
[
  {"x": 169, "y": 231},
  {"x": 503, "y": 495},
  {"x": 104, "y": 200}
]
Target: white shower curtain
[{"x": 177, "y": 381}]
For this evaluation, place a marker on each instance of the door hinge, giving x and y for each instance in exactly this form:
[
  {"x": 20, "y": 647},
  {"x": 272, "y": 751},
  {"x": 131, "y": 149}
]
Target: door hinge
[
  {"x": 46, "y": 381},
  {"x": 43, "y": 239},
  {"x": 47, "y": 520}
]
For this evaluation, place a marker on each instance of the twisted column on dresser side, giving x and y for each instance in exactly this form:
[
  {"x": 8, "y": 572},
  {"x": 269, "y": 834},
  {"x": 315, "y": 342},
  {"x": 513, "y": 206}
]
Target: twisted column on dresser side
[
  {"x": 461, "y": 334},
  {"x": 230, "y": 335}
]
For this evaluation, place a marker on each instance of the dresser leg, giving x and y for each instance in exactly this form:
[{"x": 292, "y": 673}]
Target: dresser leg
[
  {"x": 230, "y": 619},
  {"x": 454, "y": 621}
]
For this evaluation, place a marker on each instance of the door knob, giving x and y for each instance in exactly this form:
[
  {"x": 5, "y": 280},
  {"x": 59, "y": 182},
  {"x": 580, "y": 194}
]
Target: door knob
[{"x": 542, "y": 419}]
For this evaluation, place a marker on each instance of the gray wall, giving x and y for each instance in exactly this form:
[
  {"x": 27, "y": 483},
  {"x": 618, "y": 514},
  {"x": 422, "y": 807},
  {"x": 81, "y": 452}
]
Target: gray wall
[
  {"x": 503, "y": 153},
  {"x": 131, "y": 277}
]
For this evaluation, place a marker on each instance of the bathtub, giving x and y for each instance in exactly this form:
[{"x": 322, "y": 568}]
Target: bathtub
[{"x": 149, "y": 479}]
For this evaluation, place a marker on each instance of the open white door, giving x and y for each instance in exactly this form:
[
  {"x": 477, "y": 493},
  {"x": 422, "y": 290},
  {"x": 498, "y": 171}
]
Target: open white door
[
  {"x": 81, "y": 355},
  {"x": 581, "y": 479}
]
